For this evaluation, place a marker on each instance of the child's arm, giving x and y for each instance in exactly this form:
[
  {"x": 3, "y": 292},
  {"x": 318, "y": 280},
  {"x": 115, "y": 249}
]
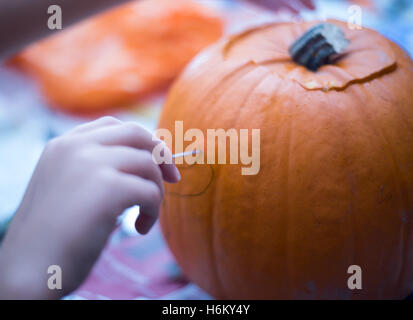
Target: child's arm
[
  {"x": 82, "y": 182},
  {"x": 25, "y": 21}
]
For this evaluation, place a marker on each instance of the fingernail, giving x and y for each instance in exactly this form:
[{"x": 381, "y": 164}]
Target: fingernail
[
  {"x": 177, "y": 174},
  {"x": 144, "y": 224}
]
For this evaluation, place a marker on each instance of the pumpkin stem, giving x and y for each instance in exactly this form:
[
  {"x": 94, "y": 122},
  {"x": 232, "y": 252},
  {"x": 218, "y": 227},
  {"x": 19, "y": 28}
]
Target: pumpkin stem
[{"x": 318, "y": 46}]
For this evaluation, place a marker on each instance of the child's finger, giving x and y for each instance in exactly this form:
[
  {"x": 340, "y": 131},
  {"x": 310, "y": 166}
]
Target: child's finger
[
  {"x": 169, "y": 170},
  {"x": 132, "y": 161},
  {"x": 147, "y": 195},
  {"x": 144, "y": 223},
  {"x": 127, "y": 134},
  {"x": 132, "y": 135},
  {"x": 101, "y": 122}
]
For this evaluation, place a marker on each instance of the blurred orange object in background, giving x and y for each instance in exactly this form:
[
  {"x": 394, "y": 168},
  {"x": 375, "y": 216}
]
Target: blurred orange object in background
[{"x": 113, "y": 59}]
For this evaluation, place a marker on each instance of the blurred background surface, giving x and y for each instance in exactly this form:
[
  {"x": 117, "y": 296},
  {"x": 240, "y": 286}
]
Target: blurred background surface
[{"x": 134, "y": 266}]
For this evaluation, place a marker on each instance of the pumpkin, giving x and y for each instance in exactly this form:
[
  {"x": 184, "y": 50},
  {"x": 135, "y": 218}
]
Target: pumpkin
[
  {"x": 335, "y": 186},
  {"x": 115, "y": 58}
]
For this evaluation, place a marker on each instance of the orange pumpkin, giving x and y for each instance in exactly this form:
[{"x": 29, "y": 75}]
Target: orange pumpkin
[
  {"x": 335, "y": 187},
  {"x": 120, "y": 56}
]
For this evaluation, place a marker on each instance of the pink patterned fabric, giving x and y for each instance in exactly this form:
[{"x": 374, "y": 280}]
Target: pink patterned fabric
[{"x": 137, "y": 267}]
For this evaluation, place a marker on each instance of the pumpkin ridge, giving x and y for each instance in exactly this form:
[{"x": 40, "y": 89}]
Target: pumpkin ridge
[
  {"x": 290, "y": 260},
  {"x": 277, "y": 96},
  {"x": 212, "y": 246},
  {"x": 403, "y": 186},
  {"x": 403, "y": 116},
  {"x": 270, "y": 109},
  {"x": 239, "y": 71},
  {"x": 391, "y": 153},
  {"x": 404, "y": 197},
  {"x": 352, "y": 186},
  {"x": 244, "y": 102},
  {"x": 221, "y": 286},
  {"x": 399, "y": 182}
]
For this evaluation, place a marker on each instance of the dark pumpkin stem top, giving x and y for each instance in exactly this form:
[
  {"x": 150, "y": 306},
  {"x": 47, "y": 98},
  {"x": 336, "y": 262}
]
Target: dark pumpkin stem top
[{"x": 318, "y": 46}]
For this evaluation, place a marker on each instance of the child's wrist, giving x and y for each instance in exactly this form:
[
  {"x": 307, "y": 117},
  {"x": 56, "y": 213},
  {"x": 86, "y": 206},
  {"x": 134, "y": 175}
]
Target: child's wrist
[{"x": 16, "y": 283}]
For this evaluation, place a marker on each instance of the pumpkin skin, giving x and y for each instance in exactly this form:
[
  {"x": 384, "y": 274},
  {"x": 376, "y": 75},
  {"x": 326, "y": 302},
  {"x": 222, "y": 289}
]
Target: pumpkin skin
[{"x": 335, "y": 187}]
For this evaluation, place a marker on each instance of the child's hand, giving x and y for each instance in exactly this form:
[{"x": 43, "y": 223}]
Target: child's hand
[{"x": 82, "y": 182}]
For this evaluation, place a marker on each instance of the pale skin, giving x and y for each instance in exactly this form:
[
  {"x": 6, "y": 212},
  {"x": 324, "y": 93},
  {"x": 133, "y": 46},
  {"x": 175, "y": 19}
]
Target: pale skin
[{"x": 82, "y": 182}]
